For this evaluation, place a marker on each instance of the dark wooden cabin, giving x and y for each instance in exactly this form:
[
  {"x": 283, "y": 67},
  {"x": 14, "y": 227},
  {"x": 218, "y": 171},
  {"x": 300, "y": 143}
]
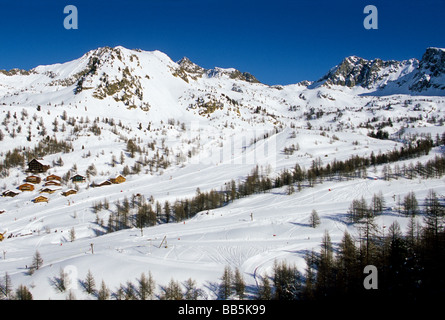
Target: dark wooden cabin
[{"x": 36, "y": 166}]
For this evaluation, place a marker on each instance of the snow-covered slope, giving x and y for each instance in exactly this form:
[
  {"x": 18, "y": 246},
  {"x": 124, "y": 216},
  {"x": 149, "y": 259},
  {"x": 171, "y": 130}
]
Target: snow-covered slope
[{"x": 172, "y": 128}]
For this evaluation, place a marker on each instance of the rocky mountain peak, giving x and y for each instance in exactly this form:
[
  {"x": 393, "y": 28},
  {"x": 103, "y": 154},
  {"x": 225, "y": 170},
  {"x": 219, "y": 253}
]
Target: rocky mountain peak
[
  {"x": 377, "y": 75},
  {"x": 355, "y": 71},
  {"x": 187, "y": 65},
  {"x": 431, "y": 71},
  {"x": 433, "y": 61}
]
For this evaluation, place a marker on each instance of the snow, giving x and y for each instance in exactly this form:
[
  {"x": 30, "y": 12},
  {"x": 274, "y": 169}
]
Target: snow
[
  {"x": 198, "y": 248},
  {"x": 222, "y": 148}
]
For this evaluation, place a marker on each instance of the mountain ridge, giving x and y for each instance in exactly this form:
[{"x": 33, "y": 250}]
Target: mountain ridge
[
  {"x": 368, "y": 77},
  {"x": 151, "y": 80}
]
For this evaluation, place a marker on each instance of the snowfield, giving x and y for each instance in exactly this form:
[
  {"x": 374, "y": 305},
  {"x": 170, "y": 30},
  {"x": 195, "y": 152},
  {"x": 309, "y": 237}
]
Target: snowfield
[{"x": 211, "y": 127}]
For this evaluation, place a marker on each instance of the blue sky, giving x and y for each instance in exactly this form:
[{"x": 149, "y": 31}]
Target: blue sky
[{"x": 280, "y": 41}]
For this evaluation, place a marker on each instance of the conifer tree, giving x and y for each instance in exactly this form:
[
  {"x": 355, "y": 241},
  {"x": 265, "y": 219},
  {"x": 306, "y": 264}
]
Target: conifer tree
[
  {"x": 23, "y": 293},
  {"x": 37, "y": 262},
  {"x": 61, "y": 282},
  {"x": 410, "y": 204},
  {"x": 146, "y": 287},
  {"x": 347, "y": 265},
  {"x": 325, "y": 266},
  {"x": 158, "y": 210},
  {"x": 368, "y": 228},
  {"x": 413, "y": 234},
  {"x": 264, "y": 289},
  {"x": 287, "y": 282},
  {"x": 191, "y": 291},
  {"x": 434, "y": 215},
  {"x": 377, "y": 203},
  {"x": 239, "y": 284},
  {"x": 397, "y": 243},
  {"x": 128, "y": 291},
  {"x": 167, "y": 211},
  {"x": 357, "y": 210},
  {"x": 5, "y": 287},
  {"x": 225, "y": 287},
  {"x": 104, "y": 292},
  {"x": 89, "y": 283},
  {"x": 290, "y": 189},
  {"x": 309, "y": 287},
  {"x": 173, "y": 291},
  {"x": 314, "y": 219}
]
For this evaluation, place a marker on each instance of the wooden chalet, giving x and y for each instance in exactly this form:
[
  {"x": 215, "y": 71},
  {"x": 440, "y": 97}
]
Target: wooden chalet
[
  {"x": 69, "y": 192},
  {"x": 40, "y": 199},
  {"x": 36, "y": 166},
  {"x": 78, "y": 178},
  {"x": 48, "y": 190},
  {"x": 53, "y": 177},
  {"x": 9, "y": 193},
  {"x": 52, "y": 183},
  {"x": 26, "y": 187},
  {"x": 103, "y": 183},
  {"x": 118, "y": 179},
  {"x": 33, "y": 179}
]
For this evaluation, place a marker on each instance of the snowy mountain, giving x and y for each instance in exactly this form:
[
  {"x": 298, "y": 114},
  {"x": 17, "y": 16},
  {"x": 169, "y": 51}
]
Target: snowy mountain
[
  {"x": 152, "y": 82},
  {"x": 390, "y": 77},
  {"x": 136, "y": 79},
  {"x": 178, "y": 132},
  {"x": 369, "y": 74}
]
